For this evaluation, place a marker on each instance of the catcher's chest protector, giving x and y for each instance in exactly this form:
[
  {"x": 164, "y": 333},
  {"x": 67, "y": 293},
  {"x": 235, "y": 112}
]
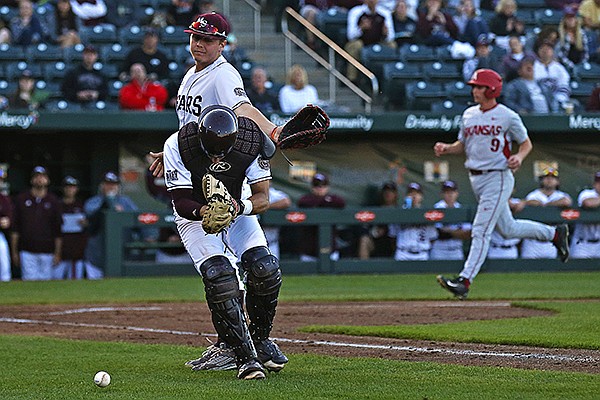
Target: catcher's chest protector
[{"x": 231, "y": 170}]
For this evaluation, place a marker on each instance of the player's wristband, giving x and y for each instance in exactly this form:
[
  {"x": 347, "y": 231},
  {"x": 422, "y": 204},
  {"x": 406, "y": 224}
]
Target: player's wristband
[
  {"x": 245, "y": 207},
  {"x": 273, "y": 134}
]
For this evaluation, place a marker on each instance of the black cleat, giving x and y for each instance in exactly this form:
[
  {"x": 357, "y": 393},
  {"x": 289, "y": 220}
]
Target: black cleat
[
  {"x": 459, "y": 287},
  {"x": 561, "y": 242},
  {"x": 270, "y": 356},
  {"x": 251, "y": 370}
]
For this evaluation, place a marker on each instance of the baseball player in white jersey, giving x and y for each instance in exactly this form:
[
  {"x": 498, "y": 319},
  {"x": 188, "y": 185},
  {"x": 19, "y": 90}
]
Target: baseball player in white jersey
[
  {"x": 413, "y": 242},
  {"x": 486, "y": 135},
  {"x": 449, "y": 245},
  {"x": 586, "y": 238},
  {"x": 232, "y": 150},
  {"x": 547, "y": 195},
  {"x": 278, "y": 200}
]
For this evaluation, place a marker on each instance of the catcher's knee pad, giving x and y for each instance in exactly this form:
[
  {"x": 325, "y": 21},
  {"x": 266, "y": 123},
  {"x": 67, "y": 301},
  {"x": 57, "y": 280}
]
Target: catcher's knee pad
[
  {"x": 220, "y": 279},
  {"x": 263, "y": 273}
]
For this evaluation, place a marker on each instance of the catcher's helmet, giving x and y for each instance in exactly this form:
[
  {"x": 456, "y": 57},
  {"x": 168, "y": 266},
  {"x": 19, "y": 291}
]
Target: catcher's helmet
[
  {"x": 218, "y": 130},
  {"x": 490, "y": 79}
]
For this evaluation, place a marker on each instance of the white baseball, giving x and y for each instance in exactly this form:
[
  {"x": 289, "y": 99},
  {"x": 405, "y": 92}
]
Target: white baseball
[{"x": 102, "y": 379}]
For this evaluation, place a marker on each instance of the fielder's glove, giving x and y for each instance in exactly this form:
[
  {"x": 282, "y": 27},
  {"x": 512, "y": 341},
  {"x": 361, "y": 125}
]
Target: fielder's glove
[
  {"x": 222, "y": 208},
  {"x": 306, "y": 128}
]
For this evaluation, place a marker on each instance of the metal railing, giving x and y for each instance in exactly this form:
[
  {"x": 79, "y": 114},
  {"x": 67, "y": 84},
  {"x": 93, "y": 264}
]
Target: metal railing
[
  {"x": 256, "y": 11},
  {"x": 332, "y": 50}
]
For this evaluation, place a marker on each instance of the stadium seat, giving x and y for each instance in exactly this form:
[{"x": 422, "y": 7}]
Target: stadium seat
[
  {"x": 375, "y": 56},
  {"x": 7, "y": 13},
  {"x": 182, "y": 55},
  {"x": 581, "y": 91},
  {"x": 444, "y": 54},
  {"x": 55, "y": 71},
  {"x": 110, "y": 71},
  {"x": 51, "y": 87},
  {"x": 245, "y": 70},
  {"x": 528, "y": 18},
  {"x": 43, "y": 53},
  {"x": 131, "y": 36},
  {"x": 448, "y": 107},
  {"x": 547, "y": 16},
  {"x": 441, "y": 72},
  {"x": 459, "y": 91},
  {"x": 532, "y": 4},
  {"x": 177, "y": 70},
  {"x": 587, "y": 72},
  {"x": 103, "y": 106},
  {"x": 62, "y": 106},
  {"x": 12, "y": 53},
  {"x": 418, "y": 53},
  {"x": 334, "y": 25},
  {"x": 114, "y": 87},
  {"x": 74, "y": 54},
  {"x": 15, "y": 69},
  {"x": 100, "y": 34},
  {"x": 7, "y": 88},
  {"x": 421, "y": 94},
  {"x": 173, "y": 34},
  {"x": 114, "y": 52},
  {"x": 396, "y": 75}
]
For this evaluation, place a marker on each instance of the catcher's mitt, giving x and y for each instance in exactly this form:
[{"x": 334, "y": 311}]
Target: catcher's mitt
[
  {"x": 306, "y": 128},
  {"x": 222, "y": 208}
]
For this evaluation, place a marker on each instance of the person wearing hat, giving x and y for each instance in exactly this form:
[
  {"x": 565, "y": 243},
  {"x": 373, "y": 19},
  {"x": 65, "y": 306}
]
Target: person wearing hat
[
  {"x": 484, "y": 57},
  {"x": 149, "y": 55},
  {"x": 449, "y": 245},
  {"x": 72, "y": 264},
  {"x": 36, "y": 237},
  {"x": 586, "y": 238},
  {"x": 413, "y": 242},
  {"x": 109, "y": 198},
  {"x": 374, "y": 240},
  {"x": 547, "y": 195},
  {"x": 6, "y": 217},
  {"x": 525, "y": 95},
  {"x": 27, "y": 96},
  {"x": 320, "y": 196},
  {"x": 83, "y": 84}
]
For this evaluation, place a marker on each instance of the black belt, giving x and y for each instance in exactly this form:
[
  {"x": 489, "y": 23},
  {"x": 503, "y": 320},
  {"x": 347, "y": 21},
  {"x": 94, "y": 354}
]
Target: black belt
[
  {"x": 483, "y": 171},
  {"x": 412, "y": 251},
  {"x": 592, "y": 241},
  {"x": 501, "y": 247}
]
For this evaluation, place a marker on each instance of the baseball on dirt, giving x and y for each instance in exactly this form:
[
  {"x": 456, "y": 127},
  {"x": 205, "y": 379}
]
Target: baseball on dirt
[{"x": 102, "y": 379}]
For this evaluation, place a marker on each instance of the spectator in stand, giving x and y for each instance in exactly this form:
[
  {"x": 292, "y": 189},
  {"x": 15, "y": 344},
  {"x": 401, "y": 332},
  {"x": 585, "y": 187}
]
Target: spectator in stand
[
  {"x": 124, "y": 13},
  {"x": 142, "y": 93},
  {"x": 593, "y": 104},
  {"x": 279, "y": 200},
  {"x": 405, "y": 26},
  {"x": 590, "y": 14},
  {"x": 548, "y": 33},
  {"x": 375, "y": 240},
  {"x": 586, "y": 238},
  {"x": 26, "y": 28},
  {"x": 74, "y": 233},
  {"x": 524, "y": 95},
  {"x": 182, "y": 12},
  {"x": 500, "y": 247},
  {"x": 552, "y": 75},
  {"x": 368, "y": 24},
  {"x": 312, "y": 10},
  {"x": 298, "y": 92},
  {"x": 512, "y": 60},
  {"x": 92, "y": 13},
  {"x": 66, "y": 25},
  {"x": 434, "y": 26},
  {"x": 27, "y": 96},
  {"x": 234, "y": 53},
  {"x": 484, "y": 58},
  {"x": 5, "y": 35},
  {"x": 547, "y": 195},
  {"x": 154, "y": 60},
  {"x": 572, "y": 46},
  {"x": 561, "y": 4},
  {"x": 83, "y": 84},
  {"x": 260, "y": 92},
  {"x": 505, "y": 23},
  {"x": 6, "y": 217},
  {"x": 36, "y": 239},
  {"x": 108, "y": 199},
  {"x": 413, "y": 242},
  {"x": 449, "y": 245},
  {"x": 470, "y": 24},
  {"x": 319, "y": 197}
]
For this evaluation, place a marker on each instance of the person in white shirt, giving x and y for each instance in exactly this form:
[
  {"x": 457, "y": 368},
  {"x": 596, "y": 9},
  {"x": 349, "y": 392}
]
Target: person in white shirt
[
  {"x": 449, "y": 246},
  {"x": 586, "y": 239},
  {"x": 298, "y": 92}
]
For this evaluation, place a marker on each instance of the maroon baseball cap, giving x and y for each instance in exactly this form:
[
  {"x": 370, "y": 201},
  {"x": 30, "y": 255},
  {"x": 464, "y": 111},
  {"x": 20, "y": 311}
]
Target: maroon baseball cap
[{"x": 210, "y": 24}]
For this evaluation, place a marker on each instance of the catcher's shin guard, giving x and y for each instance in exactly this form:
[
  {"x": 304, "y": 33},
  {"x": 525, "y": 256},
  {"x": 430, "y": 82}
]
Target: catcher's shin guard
[
  {"x": 223, "y": 298},
  {"x": 263, "y": 281}
]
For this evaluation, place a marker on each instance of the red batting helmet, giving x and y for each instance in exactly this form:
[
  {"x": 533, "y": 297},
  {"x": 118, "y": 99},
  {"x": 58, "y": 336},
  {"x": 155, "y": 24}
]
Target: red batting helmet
[{"x": 489, "y": 79}]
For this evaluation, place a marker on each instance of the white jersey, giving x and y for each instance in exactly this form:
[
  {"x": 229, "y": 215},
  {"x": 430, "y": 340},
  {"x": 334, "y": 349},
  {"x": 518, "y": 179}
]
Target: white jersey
[
  {"x": 532, "y": 248},
  {"x": 219, "y": 83},
  {"x": 413, "y": 242},
  {"x": 501, "y": 248},
  {"x": 586, "y": 238},
  {"x": 179, "y": 177},
  {"x": 448, "y": 249},
  {"x": 488, "y": 136}
]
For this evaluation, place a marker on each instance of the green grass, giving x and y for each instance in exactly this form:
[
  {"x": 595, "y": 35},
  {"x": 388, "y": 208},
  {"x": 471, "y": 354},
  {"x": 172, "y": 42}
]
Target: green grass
[
  {"x": 43, "y": 368},
  {"x": 520, "y": 286}
]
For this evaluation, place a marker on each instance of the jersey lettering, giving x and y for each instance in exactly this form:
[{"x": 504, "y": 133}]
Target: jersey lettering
[
  {"x": 189, "y": 104},
  {"x": 482, "y": 130}
]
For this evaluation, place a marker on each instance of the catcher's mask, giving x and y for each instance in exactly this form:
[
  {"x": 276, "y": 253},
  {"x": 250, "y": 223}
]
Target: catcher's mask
[
  {"x": 218, "y": 130},
  {"x": 488, "y": 78}
]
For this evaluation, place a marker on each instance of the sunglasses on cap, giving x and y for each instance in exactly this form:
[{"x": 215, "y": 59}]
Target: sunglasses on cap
[
  {"x": 203, "y": 27},
  {"x": 550, "y": 172}
]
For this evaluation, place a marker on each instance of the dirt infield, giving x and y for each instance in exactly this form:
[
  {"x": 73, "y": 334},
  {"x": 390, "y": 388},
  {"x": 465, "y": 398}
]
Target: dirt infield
[{"x": 186, "y": 323}]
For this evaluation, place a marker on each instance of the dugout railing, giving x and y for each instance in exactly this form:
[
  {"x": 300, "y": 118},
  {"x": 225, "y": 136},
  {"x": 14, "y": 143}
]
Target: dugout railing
[{"x": 133, "y": 257}]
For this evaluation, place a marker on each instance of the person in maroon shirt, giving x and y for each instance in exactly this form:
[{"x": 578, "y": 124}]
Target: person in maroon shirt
[
  {"x": 6, "y": 216},
  {"x": 319, "y": 197},
  {"x": 36, "y": 239},
  {"x": 74, "y": 223}
]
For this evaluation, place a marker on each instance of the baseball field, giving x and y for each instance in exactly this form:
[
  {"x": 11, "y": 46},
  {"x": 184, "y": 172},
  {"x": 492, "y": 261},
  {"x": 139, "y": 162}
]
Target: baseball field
[{"x": 519, "y": 336}]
